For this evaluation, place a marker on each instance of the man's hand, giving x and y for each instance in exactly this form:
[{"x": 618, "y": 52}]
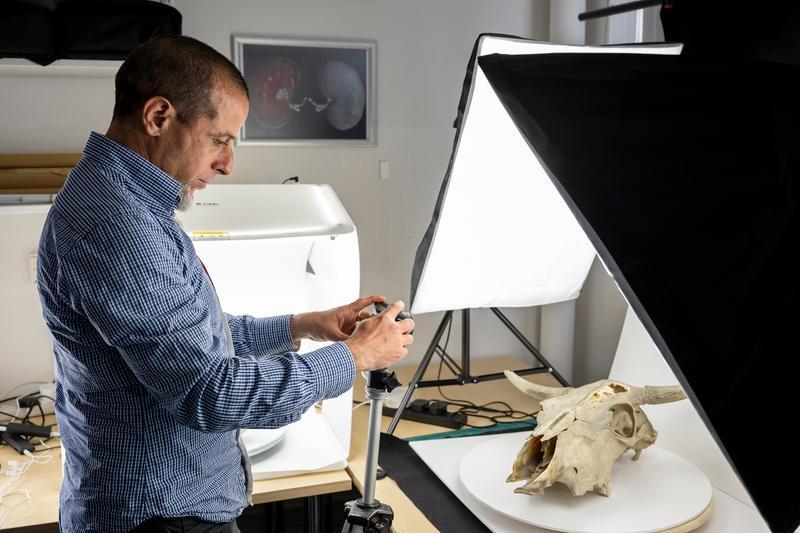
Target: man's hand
[
  {"x": 333, "y": 325},
  {"x": 379, "y": 341}
]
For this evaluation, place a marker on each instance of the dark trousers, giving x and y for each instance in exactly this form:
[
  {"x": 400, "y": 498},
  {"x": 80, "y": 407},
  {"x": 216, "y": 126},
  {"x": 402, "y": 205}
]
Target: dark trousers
[{"x": 184, "y": 525}]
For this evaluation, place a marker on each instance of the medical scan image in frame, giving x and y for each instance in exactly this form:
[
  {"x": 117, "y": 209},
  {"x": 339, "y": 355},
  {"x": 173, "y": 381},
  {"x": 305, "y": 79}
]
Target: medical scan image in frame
[{"x": 307, "y": 92}]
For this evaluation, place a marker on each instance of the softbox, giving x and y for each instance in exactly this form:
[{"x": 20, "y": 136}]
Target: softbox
[
  {"x": 501, "y": 234},
  {"x": 683, "y": 175}
]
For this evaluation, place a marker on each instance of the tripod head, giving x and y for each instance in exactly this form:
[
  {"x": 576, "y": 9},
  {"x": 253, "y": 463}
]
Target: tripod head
[
  {"x": 360, "y": 518},
  {"x": 383, "y": 380}
]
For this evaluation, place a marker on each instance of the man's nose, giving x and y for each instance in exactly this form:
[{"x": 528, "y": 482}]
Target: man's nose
[{"x": 224, "y": 165}]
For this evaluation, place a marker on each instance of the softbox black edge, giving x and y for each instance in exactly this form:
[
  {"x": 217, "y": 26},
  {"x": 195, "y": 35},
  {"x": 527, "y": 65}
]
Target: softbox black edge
[
  {"x": 529, "y": 129},
  {"x": 785, "y": 518}
]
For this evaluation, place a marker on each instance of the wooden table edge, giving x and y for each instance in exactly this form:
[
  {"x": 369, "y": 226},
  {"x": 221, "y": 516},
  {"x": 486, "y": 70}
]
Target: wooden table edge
[{"x": 302, "y": 486}]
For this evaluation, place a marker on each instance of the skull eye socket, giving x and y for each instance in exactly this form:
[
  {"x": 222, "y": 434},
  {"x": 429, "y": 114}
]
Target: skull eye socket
[{"x": 623, "y": 420}]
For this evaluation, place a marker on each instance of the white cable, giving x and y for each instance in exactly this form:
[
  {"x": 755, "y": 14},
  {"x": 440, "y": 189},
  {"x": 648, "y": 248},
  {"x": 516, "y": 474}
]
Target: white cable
[
  {"x": 359, "y": 405},
  {"x": 16, "y": 470},
  {"x": 41, "y": 459},
  {"x": 13, "y": 417},
  {"x": 27, "y": 498},
  {"x": 18, "y": 504}
]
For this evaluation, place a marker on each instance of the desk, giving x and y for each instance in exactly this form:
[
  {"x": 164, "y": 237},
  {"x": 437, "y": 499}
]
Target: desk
[
  {"x": 44, "y": 483},
  {"x": 409, "y": 519}
]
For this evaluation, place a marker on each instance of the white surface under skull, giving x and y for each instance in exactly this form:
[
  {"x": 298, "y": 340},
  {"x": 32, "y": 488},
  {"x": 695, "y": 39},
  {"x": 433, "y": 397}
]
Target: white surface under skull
[{"x": 582, "y": 431}]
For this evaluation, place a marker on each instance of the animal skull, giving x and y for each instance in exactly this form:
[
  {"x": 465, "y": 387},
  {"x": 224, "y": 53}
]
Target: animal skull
[{"x": 582, "y": 431}]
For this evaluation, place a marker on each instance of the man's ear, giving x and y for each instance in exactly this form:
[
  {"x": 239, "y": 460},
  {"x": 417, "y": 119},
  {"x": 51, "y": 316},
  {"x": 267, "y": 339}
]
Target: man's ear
[{"x": 157, "y": 115}]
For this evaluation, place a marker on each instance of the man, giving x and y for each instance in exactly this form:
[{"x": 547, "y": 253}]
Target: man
[{"x": 153, "y": 380}]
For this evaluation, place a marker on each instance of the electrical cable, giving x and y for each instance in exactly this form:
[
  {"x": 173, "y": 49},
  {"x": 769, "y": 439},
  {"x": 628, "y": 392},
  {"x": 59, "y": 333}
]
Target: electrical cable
[
  {"x": 14, "y": 417},
  {"x": 26, "y": 420},
  {"x": 360, "y": 404},
  {"x": 9, "y": 391},
  {"x": 18, "y": 504},
  {"x": 43, "y": 442},
  {"x": 16, "y": 470},
  {"x": 470, "y": 408}
]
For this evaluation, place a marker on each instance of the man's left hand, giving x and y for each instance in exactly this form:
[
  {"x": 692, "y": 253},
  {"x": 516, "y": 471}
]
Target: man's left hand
[{"x": 335, "y": 324}]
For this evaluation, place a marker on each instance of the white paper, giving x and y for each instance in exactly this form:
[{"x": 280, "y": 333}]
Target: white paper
[{"x": 309, "y": 446}]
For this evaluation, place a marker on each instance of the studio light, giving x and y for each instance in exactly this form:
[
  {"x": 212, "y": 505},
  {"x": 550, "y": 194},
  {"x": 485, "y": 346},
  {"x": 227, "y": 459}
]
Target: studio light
[{"x": 501, "y": 234}]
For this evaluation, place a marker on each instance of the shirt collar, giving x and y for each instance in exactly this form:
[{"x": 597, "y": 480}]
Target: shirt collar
[{"x": 148, "y": 183}]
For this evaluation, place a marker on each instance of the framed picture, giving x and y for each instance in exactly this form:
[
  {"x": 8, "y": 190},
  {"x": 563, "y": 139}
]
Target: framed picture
[{"x": 307, "y": 92}]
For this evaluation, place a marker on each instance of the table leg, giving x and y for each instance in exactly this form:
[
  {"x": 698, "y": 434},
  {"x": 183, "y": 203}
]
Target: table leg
[
  {"x": 318, "y": 514},
  {"x": 274, "y": 517}
]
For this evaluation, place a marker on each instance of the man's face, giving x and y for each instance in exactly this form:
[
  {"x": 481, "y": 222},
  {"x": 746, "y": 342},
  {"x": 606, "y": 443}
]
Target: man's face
[{"x": 198, "y": 151}]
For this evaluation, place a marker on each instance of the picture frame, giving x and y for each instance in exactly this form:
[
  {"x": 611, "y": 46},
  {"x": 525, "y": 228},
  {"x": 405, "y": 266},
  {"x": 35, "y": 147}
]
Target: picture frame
[{"x": 307, "y": 92}]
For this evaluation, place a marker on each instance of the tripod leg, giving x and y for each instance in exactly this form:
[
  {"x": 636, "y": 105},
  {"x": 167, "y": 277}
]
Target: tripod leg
[
  {"x": 423, "y": 366},
  {"x": 465, "y": 355},
  {"x": 530, "y": 347}
]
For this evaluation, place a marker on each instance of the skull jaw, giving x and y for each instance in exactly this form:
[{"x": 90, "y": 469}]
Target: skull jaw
[{"x": 580, "y": 460}]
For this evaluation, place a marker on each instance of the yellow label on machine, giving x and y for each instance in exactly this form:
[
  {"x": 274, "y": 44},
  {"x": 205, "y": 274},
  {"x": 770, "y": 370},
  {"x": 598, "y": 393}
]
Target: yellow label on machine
[{"x": 207, "y": 235}]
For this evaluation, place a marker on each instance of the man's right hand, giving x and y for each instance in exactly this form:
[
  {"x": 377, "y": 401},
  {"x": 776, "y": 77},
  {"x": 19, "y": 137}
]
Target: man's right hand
[{"x": 380, "y": 341}]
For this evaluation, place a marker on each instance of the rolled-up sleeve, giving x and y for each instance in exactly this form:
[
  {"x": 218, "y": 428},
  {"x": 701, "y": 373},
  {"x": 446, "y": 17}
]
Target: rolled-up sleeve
[{"x": 135, "y": 292}]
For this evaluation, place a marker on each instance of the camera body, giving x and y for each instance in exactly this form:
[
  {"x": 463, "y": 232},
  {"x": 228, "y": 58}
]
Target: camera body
[{"x": 380, "y": 307}]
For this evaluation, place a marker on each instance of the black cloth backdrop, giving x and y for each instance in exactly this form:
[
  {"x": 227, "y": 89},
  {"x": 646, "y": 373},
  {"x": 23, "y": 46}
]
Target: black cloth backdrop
[
  {"x": 440, "y": 506},
  {"x": 684, "y": 174}
]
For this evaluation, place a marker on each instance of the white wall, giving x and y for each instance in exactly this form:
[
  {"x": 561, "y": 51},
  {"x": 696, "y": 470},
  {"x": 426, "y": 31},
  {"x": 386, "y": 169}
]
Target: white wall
[{"x": 422, "y": 51}]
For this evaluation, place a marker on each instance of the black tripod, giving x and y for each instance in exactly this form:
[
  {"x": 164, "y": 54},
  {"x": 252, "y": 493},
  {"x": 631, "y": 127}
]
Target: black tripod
[
  {"x": 366, "y": 514},
  {"x": 462, "y": 372}
]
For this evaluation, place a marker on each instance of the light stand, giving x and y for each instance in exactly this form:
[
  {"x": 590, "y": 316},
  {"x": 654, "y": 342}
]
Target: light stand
[
  {"x": 367, "y": 514},
  {"x": 463, "y": 372}
]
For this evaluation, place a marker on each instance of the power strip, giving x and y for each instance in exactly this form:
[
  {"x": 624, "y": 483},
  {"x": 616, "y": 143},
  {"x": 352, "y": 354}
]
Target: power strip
[{"x": 449, "y": 420}]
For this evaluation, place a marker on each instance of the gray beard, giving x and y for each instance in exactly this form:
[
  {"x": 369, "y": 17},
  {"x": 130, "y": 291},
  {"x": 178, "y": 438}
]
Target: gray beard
[{"x": 186, "y": 196}]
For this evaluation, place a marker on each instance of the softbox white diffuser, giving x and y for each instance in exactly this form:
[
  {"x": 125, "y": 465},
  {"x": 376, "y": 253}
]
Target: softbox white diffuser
[{"x": 501, "y": 234}]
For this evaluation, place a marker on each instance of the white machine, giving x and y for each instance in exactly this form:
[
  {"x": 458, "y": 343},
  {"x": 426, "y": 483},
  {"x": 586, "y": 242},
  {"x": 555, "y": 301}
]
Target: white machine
[
  {"x": 26, "y": 349},
  {"x": 277, "y": 249},
  {"x": 270, "y": 249}
]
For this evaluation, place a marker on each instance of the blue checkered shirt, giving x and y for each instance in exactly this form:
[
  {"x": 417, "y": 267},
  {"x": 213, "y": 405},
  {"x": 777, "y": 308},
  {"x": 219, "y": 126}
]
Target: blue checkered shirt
[{"x": 148, "y": 399}]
